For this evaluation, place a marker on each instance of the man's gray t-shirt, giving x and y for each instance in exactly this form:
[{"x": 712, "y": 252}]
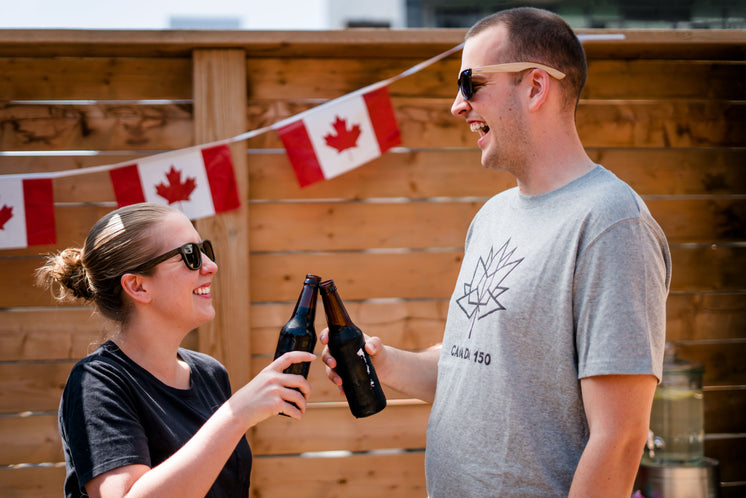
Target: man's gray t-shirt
[{"x": 553, "y": 288}]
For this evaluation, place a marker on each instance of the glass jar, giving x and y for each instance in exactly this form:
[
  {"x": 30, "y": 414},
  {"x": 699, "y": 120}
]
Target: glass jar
[{"x": 677, "y": 417}]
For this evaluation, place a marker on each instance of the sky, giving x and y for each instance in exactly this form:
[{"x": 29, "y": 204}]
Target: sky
[{"x": 156, "y": 14}]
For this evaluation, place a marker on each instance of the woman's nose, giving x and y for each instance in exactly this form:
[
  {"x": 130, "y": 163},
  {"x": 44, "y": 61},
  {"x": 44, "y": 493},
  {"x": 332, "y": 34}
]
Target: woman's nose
[{"x": 208, "y": 265}]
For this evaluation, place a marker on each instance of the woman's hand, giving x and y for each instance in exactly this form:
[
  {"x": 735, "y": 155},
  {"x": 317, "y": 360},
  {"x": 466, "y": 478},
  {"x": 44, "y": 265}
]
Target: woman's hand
[{"x": 272, "y": 392}]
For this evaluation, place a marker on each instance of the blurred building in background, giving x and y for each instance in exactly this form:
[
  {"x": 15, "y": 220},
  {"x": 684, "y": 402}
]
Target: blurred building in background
[
  {"x": 614, "y": 14},
  {"x": 342, "y": 14}
]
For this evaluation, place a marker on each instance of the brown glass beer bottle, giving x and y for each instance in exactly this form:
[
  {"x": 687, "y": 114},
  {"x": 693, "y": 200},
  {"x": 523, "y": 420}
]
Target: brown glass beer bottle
[
  {"x": 347, "y": 345},
  {"x": 299, "y": 333}
]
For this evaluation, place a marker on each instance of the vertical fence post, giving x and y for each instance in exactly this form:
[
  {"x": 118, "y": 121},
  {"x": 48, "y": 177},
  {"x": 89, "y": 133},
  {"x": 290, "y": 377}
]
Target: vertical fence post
[{"x": 219, "y": 77}]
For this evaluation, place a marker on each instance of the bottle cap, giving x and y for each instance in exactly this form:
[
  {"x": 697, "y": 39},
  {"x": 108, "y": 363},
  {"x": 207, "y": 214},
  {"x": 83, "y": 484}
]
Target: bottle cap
[{"x": 328, "y": 286}]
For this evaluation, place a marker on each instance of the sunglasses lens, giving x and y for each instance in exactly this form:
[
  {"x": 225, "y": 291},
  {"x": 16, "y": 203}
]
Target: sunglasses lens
[
  {"x": 207, "y": 249},
  {"x": 464, "y": 84},
  {"x": 192, "y": 256}
]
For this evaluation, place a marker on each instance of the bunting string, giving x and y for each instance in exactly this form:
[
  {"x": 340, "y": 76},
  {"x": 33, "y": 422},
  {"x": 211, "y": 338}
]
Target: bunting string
[
  {"x": 259, "y": 131},
  {"x": 246, "y": 135}
]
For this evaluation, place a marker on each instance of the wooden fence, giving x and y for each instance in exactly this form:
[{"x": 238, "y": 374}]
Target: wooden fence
[{"x": 664, "y": 110}]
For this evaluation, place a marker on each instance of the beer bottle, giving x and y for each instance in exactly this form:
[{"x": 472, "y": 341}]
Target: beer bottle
[
  {"x": 299, "y": 333},
  {"x": 347, "y": 344}
]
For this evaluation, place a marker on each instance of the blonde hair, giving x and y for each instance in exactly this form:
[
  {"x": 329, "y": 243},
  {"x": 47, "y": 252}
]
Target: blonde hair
[{"x": 118, "y": 242}]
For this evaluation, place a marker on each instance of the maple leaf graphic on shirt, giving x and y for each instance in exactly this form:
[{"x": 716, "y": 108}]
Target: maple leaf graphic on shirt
[
  {"x": 343, "y": 138},
  {"x": 6, "y": 213},
  {"x": 480, "y": 296},
  {"x": 176, "y": 190}
]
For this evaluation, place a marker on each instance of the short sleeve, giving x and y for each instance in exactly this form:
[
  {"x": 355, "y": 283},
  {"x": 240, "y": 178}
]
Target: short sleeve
[
  {"x": 99, "y": 422},
  {"x": 621, "y": 286}
]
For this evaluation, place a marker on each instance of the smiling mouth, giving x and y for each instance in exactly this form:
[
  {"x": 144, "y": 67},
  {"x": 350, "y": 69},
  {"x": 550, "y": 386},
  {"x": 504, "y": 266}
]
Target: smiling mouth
[
  {"x": 479, "y": 127},
  {"x": 202, "y": 291}
]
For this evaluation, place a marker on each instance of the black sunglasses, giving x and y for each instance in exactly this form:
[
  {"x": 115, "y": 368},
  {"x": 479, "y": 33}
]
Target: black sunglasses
[
  {"x": 466, "y": 87},
  {"x": 191, "y": 254}
]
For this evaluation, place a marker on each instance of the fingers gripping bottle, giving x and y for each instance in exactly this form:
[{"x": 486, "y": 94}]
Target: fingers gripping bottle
[
  {"x": 347, "y": 345},
  {"x": 299, "y": 333}
]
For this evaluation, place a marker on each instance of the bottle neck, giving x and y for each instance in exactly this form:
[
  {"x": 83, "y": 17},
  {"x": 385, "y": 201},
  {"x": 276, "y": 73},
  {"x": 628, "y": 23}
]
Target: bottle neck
[
  {"x": 308, "y": 296},
  {"x": 336, "y": 314}
]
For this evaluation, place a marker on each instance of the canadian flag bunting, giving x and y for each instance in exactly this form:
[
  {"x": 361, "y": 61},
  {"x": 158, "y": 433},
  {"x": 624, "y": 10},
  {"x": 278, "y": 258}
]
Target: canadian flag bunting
[
  {"x": 339, "y": 137},
  {"x": 198, "y": 182},
  {"x": 26, "y": 213}
]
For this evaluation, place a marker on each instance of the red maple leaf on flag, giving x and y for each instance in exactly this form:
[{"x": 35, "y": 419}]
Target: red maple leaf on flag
[
  {"x": 176, "y": 190},
  {"x": 6, "y": 213},
  {"x": 343, "y": 138}
]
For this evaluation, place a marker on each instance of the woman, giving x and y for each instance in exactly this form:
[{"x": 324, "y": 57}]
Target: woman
[{"x": 141, "y": 416}]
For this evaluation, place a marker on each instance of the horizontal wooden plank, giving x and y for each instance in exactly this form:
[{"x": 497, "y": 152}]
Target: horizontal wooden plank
[
  {"x": 95, "y": 78},
  {"x": 406, "y": 324},
  {"x": 323, "y": 390},
  {"x": 424, "y": 122},
  {"x": 32, "y": 386},
  {"x": 424, "y": 174},
  {"x": 421, "y": 43},
  {"x": 53, "y": 333},
  {"x": 40, "y": 482},
  {"x": 31, "y": 163},
  {"x": 730, "y": 452},
  {"x": 430, "y": 224},
  {"x": 327, "y": 428},
  {"x": 35, "y": 438},
  {"x": 68, "y": 333},
  {"x": 394, "y": 274},
  {"x": 662, "y": 124},
  {"x": 700, "y": 220},
  {"x": 433, "y": 274},
  {"x": 458, "y": 173},
  {"x": 358, "y": 275},
  {"x": 722, "y": 360},
  {"x": 412, "y": 325},
  {"x": 715, "y": 268},
  {"x": 701, "y": 316},
  {"x": 668, "y": 171},
  {"x": 357, "y": 226},
  {"x": 361, "y": 475},
  {"x": 57, "y": 333},
  {"x": 397, "y": 475},
  {"x": 276, "y": 78},
  {"x": 407, "y": 43},
  {"x": 427, "y": 122},
  {"x": 733, "y": 489},
  {"x": 118, "y": 127},
  {"x": 664, "y": 79},
  {"x": 30, "y": 439},
  {"x": 724, "y": 411},
  {"x": 422, "y": 225}
]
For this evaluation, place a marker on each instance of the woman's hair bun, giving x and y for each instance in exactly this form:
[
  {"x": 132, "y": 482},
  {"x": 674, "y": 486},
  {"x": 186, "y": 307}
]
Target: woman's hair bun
[{"x": 65, "y": 274}]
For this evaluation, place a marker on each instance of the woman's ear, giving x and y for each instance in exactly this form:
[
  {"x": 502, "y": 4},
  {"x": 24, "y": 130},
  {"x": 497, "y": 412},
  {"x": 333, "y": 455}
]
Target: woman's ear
[{"x": 132, "y": 284}]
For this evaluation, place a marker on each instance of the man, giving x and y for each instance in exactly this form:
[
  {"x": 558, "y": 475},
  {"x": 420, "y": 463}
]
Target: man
[{"x": 553, "y": 345}]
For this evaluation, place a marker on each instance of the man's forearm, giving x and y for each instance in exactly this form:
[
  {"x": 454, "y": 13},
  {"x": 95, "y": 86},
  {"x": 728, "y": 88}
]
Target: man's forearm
[
  {"x": 413, "y": 373},
  {"x": 607, "y": 468}
]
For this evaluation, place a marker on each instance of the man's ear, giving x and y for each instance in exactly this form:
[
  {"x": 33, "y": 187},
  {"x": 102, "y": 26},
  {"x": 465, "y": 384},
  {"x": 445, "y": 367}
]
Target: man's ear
[
  {"x": 539, "y": 88},
  {"x": 134, "y": 286}
]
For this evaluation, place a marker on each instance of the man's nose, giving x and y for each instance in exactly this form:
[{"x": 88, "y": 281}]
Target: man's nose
[{"x": 460, "y": 105}]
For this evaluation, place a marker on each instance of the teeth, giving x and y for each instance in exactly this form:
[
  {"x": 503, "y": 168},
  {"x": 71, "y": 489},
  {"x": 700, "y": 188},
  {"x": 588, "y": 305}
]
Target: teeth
[
  {"x": 202, "y": 291},
  {"x": 479, "y": 127}
]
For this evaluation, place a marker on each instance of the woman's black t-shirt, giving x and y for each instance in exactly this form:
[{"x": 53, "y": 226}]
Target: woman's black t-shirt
[{"x": 114, "y": 412}]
